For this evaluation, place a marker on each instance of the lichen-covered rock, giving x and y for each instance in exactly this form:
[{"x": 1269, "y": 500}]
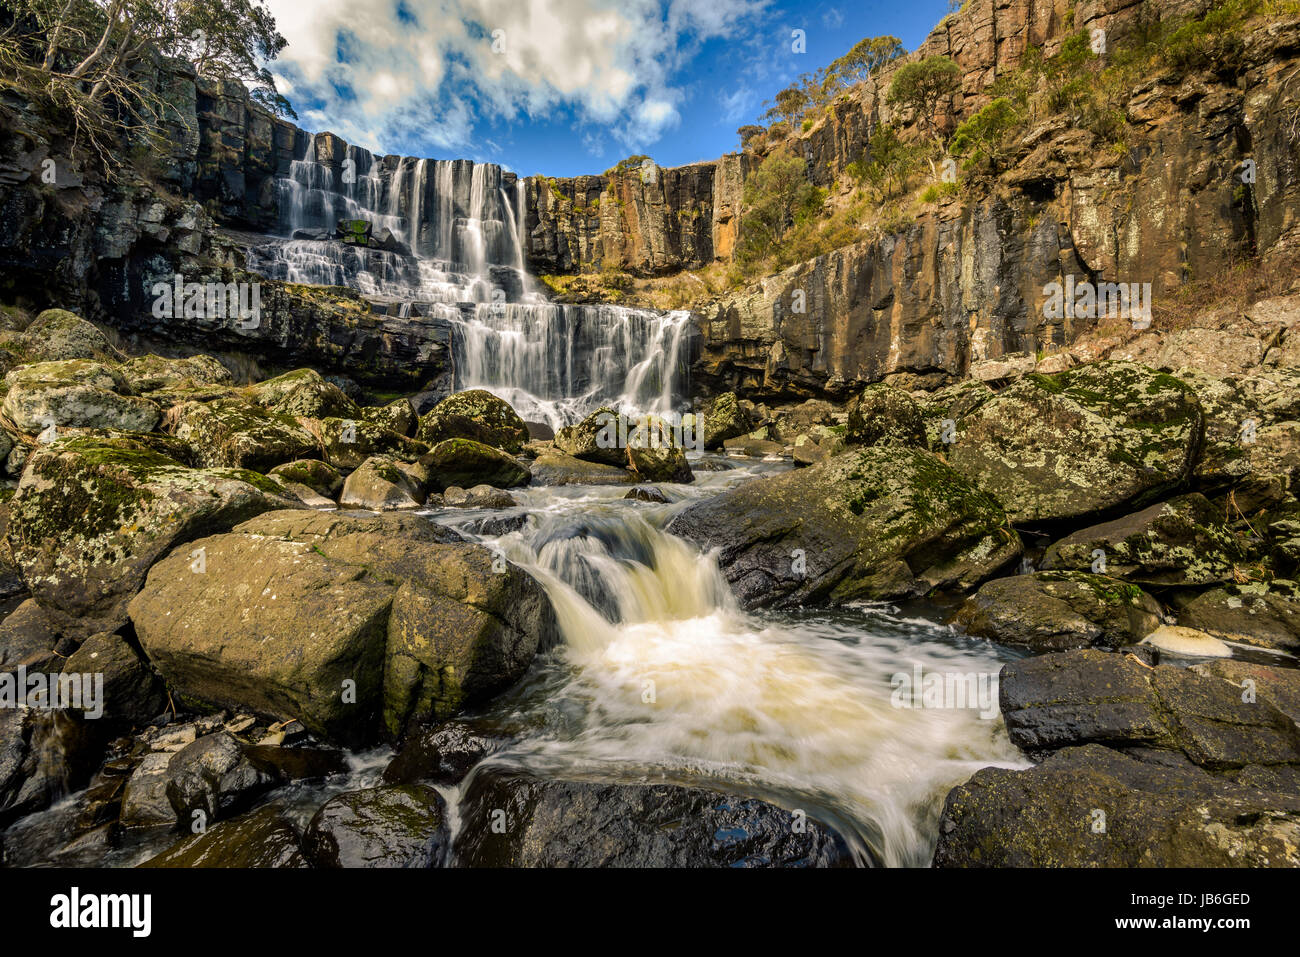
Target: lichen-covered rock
[
  {"x": 303, "y": 392},
  {"x": 1266, "y": 614},
  {"x": 882, "y": 415},
  {"x": 1182, "y": 541},
  {"x": 321, "y": 477},
  {"x": 480, "y": 496},
  {"x": 554, "y": 467},
  {"x": 466, "y": 463},
  {"x": 654, "y": 454},
  {"x": 722, "y": 418},
  {"x": 236, "y": 434},
  {"x": 880, "y": 522},
  {"x": 1056, "y": 611},
  {"x": 476, "y": 415},
  {"x": 398, "y": 416},
  {"x": 331, "y": 618},
  {"x": 167, "y": 381},
  {"x": 347, "y": 443},
  {"x": 93, "y": 513},
  {"x": 1090, "y": 439},
  {"x": 1154, "y": 816},
  {"x": 381, "y": 485},
  {"x": 600, "y": 437},
  {"x": 75, "y": 393},
  {"x": 402, "y": 826},
  {"x": 550, "y": 823},
  {"x": 944, "y": 406},
  {"x": 57, "y": 334}
]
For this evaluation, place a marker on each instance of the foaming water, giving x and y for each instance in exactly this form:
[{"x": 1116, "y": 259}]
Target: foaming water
[{"x": 663, "y": 676}]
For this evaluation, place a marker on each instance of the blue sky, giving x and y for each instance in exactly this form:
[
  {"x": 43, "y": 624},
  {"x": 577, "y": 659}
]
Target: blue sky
[{"x": 561, "y": 87}]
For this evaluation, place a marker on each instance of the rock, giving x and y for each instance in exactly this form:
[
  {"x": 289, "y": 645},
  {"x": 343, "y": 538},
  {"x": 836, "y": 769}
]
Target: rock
[
  {"x": 1187, "y": 641},
  {"x": 349, "y": 442},
  {"x": 320, "y": 477},
  {"x": 1182, "y": 541},
  {"x": 236, "y": 434},
  {"x": 480, "y": 496},
  {"x": 75, "y": 393},
  {"x": 132, "y": 694},
  {"x": 303, "y": 392},
  {"x": 1265, "y": 615},
  {"x": 723, "y": 418},
  {"x": 1057, "y": 611},
  {"x": 1280, "y": 687},
  {"x": 755, "y": 448},
  {"x": 212, "y": 776},
  {"x": 1013, "y": 365},
  {"x": 398, "y": 416},
  {"x": 93, "y": 513},
  {"x": 1078, "y": 697},
  {"x": 1153, "y": 816},
  {"x": 476, "y": 415},
  {"x": 880, "y": 522},
  {"x": 332, "y": 617},
  {"x": 296, "y": 763},
  {"x": 262, "y": 838},
  {"x": 551, "y": 823},
  {"x": 27, "y": 638},
  {"x": 601, "y": 437},
  {"x": 539, "y": 432},
  {"x": 145, "y": 802},
  {"x": 1082, "y": 442},
  {"x": 947, "y": 405},
  {"x": 647, "y": 493},
  {"x": 57, "y": 334},
  {"x": 444, "y": 754},
  {"x": 654, "y": 455},
  {"x": 379, "y": 485},
  {"x": 167, "y": 381},
  {"x": 882, "y": 415},
  {"x": 466, "y": 463},
  {"x": 556, "y": 468},
  {"x": 402, "y": 826}
]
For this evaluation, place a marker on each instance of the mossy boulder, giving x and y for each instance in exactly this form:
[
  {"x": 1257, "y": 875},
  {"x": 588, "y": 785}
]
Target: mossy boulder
[
  {"x": 722, "y": 418},
  {"x": 654, "y": 454},
  {"x": 92, "y": 514},
  {"x": 349, "y": 442},
  {"x": 478, "y": 415},
  {"x": 1057, "y": 611},
  {"x": 875, "y": 523},
  {"x": 151, "y": 374},
  {"x": 261, "y": 838},
  {"x": 336, "y": 618},
  {"x": 600, "y": 437},
  {"x": 321, "y": 477},
  {"x": 883, "y": 415},
  {"x": 950, "y": 403},
  {"x": 237, "y": 434},
  {"x": 553, "y": 467},
  {"x": 398, "y": 416},
  {"x": 75, "y": 393},
  {"x": 1182, "y": 541},
  {"x": 466, "y": 463},
  {"x": 303, "y": 392},
  {"x": 57, "y": 334},
  {"x": 380, "y": 485},
  {"x": 1080, "y": 443}
]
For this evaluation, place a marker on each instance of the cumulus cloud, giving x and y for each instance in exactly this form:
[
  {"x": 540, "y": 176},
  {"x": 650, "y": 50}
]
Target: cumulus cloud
[{"x": 390, "y": 74}]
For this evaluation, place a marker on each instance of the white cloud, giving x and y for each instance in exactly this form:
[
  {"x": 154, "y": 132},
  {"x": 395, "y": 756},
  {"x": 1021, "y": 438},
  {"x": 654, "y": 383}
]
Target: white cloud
[{"x": 429, "y": 77}]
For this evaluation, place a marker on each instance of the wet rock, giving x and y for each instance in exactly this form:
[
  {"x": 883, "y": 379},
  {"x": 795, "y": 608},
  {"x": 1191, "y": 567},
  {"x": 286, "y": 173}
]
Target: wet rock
[
  {"x": 556, "y": 468},
  {"x": 262, "y": 838},
  {"x": 723, "y": 418},
  {"x": 27, "y": 638},
  {"x": 755, "y": 448},
  {"x": 236, "y": 434},
  {"x": 654, "y": 454},
  {"x": 331, "y": 617},
  {"x": 93, "y": 513},
  {"x": 213, "y": 776},
  {"x": 132, "y": 694},
  {"x": 539, "y": 432},
  {"x": 1257, "y": 613},
  {"x": 1079, "y": 443},
  {"x": 1153, "y": 816},
  {"x": 1080, "y": 697},
  {"x": 476, "y": 415},
  {"x": 1182, "y": 541},
  {"x": 1057, "y": 611},
  {"x": 76, "y": 393},
  {"x": 881, "y": 415},
  {"x": 380, "y": 485},
  {"x": 145, "y": 802},
  {"x": 320, "y": 477},
  {"x": 296, "y": 763},
  {"x": 402, "y": 826},
  {"x": 443, "y": 754},
  {"x": 551, "y": 823},
  {"x": 466, "y": 463},
  {"x": 874, "y": 523},
  {"x": 601, "y": 437},
  {"x": 647, "y": 493},
  {"x": 480, "y": 496}
]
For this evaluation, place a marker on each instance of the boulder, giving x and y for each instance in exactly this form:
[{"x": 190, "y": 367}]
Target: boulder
[
  {"x": 443, "y": 755},
  {"x": 398, "y": 826},
  {"x": 57, "y": 334},
  {"x": 237, "y": 434},
  {"x": 882, "y": 415},
  {"x": 949, "y": 404},
  {"x": 476, "y": 415},
  {"x": 553, "y": 467},
  {"x": 1182, "y": 541},
  {"x": 331, "y": 618},
  {"x": 601, "y": 437},
  {"x": 1082, "y": 442},
  {"x": 93, "y": 513},
  {"x": 1091, "y": 806},
  {"x": 261, "y": 838},
  {"x": 723, "y": 418},
  {"x": 212, "y": 779},
  {"x": 480, "y": 496},
  {"x": 1279, "y": 687},
  {"x": 398, "y": 416},
  {"x": 320, "y": 477},
  {"x": 1057, "y": 611},
  {"x": 197, "y": 378},
  {"x": 881, "y": 522},
  {"x": 647, "y": 493},
  {"x": 347, "y": 443},
  {"x": 132, "y": 693},
  {"x": 550, "y": 823},
  {"x": 27, "y": 637},
  {"x": 1255, "y": 613},
  {"x": 654, "y": 454},
  {"x": 465, "y": 463},
  {"x": 380, "y": 485},
  {"x": 303, "y": 392},
  {"x": 76, "y": 393}
]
